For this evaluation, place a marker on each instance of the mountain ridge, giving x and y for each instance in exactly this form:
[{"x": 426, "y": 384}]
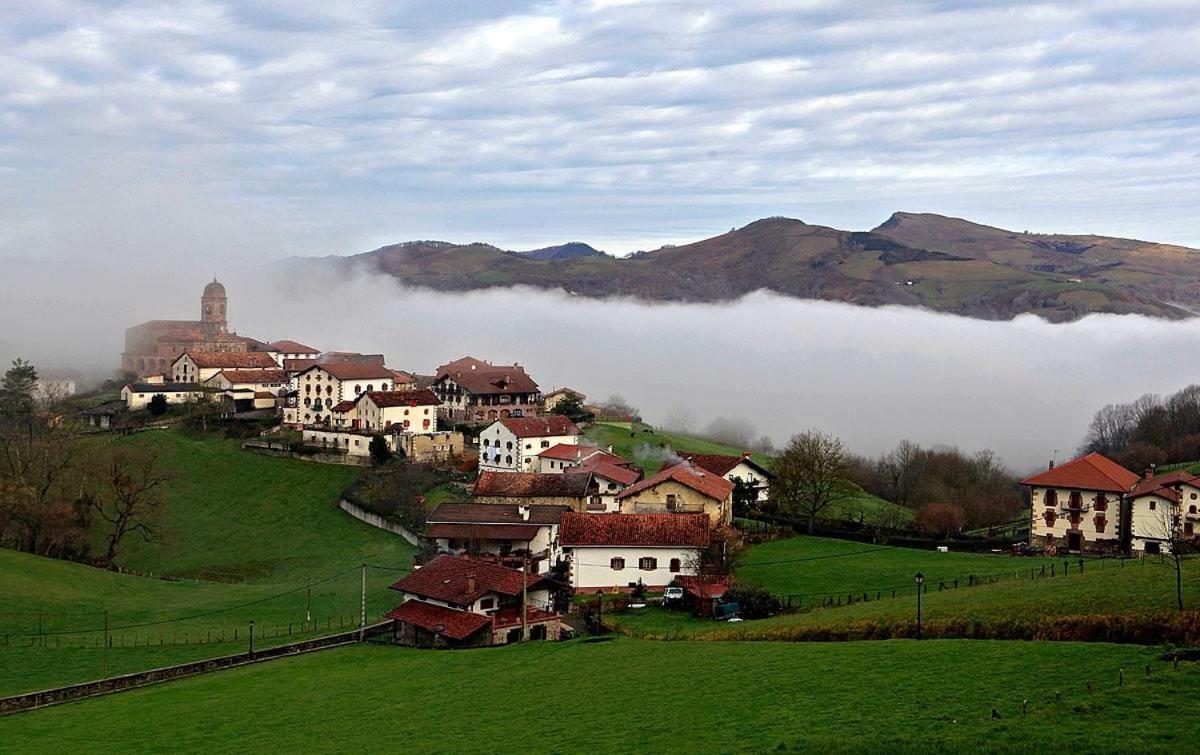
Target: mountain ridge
[{"x": 912, "y": 259}]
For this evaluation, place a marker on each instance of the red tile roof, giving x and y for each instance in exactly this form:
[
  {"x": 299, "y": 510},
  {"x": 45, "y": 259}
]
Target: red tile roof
[
  {"x": 232, "y": 359},
  {"x": 342, "y": 407},
  {"x": 457, "y": 625},
  {"x": 1178, "y": 477},
  {"x": 564, "y": 391},
  {"x": 722, "y": 464},
  {"x": 384, "y": 399},
  {"x": 683, "y": 530},
  {"x": 353, "y": 370},
  {"x": 400, "y": 376},
  {"x": 568, "y": 452},
  {"x": 482, "y": 378},
  {"x": 702, "y": 481},
  {"x": 511, "y": 617},
  {"x": 241, "y": 377},
  {"x": 1091, "y": 472},
  {"x": 540, "y": 427},
  {"x": 445, "y": 579},
  {"x": 608, "y": 471},
  {"x": 265, "y": 394},
  {"x": 522, "y": 532},
  {"x": 292, "y": 347},
  {"x": 531, "y": 485},
  {"x": 495, "y": 513}
]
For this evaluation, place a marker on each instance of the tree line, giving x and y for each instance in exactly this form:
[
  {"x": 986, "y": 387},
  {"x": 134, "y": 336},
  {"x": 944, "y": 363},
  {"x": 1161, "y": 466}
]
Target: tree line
[
  {"x": 946, "y": 489},
  {"x": 65, "y": 494},
  {"x": 1149, "y": 431}
]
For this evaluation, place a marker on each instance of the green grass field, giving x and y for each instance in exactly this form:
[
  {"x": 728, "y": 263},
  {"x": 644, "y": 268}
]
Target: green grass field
[
  {"x": 1105, "y": 587},
  {"x": 634, "y": 696},
  {"x": 249, "y": 537},
  {"x": 814, "y": 566}
]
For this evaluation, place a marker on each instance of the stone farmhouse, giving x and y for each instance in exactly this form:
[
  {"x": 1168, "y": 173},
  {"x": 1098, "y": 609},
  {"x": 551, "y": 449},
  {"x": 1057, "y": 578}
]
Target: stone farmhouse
[
  {"x": 736, "y": 469},
  {"x": 1094, "y": 505},
  {"x": 511, "y": 532},
  {"x": 681, "y": 489},
  {"x": 530, "y": 488}
]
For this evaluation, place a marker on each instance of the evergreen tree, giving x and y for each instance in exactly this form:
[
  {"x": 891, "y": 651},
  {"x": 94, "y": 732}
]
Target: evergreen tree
[
  {"x": 16, "y": 394},
  {"x": 571, "y": 407}
]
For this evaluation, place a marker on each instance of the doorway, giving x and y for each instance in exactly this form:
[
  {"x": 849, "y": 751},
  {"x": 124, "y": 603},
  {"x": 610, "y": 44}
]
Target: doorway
[{"x": 1074, "y": 541}]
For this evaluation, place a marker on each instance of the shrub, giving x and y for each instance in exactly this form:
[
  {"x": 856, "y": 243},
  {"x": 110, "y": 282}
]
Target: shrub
[
  {"x": 753, "y": 602},
  {"x": 381, "y": 452},
  {"x": 158, "y": 405},
  {"x": 941, "y": 519}
]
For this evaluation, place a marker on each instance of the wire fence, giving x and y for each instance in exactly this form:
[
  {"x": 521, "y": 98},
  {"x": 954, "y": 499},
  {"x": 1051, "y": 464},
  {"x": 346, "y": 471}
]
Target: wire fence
[{"x": 1045, "y": 569}]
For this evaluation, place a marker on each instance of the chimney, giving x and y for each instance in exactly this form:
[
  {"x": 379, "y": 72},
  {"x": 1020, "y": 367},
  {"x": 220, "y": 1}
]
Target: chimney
[
  {"x": 1149, "y": 472},
  {"x": 524, "y": 512},
  {"x": 1050, "y": 466},
  {"x": 746, "y": 454},
  {"x": 470, "y": 583}
]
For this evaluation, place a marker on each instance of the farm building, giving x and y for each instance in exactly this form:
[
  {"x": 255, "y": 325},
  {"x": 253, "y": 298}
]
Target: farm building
[
  {"x": 462, "y": 602},
  {"x": 607, "y": 551},
  {"x": 508, "y": 531}
]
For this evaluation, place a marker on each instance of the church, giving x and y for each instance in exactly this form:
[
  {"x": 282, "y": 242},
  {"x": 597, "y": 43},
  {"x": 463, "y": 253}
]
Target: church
[{"x": 151, "y": 346}]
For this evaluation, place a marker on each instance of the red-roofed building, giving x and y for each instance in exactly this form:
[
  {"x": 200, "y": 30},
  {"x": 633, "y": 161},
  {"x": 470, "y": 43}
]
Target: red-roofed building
[
  {"x": 1080, "y": 506},
  {"x": 513, "y": 444},
  {"x": 467, "y": 602},
  {"x": 1163, "y": 509},
  {"x": 472, "y": 390},
  {"x": 737, "y": 469},
  {"x": 564, "y": 456},
  {"x": 510, "y": 532},
  {"x": 319, "y": 386},
  {"x": 285, "y": 351},
  {"x": 683, "y": 488},
  {"x": 607, "y": 551},
  {"x": 199, "y": 366}
]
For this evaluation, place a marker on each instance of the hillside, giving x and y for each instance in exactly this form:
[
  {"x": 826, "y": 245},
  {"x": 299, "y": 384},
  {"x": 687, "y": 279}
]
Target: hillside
[
  {"x": 261, "y": 540},
  {"x": 935, "y": 696},
  {"x": 929, "y": 261}
]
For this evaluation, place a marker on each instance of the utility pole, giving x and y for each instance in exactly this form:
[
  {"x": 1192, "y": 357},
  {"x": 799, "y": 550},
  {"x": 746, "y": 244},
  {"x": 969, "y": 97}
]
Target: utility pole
[
  {"x": 525, "y": 601},
  {"x": 308, "y": 605},
  {"x": 362, "y": 606},
  {"x": 107, "y": 643}
]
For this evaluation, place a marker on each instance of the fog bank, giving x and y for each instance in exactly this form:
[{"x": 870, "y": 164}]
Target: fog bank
[{"x": 1024, "y": 388}]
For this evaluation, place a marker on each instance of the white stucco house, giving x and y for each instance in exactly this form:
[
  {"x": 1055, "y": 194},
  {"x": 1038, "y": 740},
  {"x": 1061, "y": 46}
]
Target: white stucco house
[
  {"x": 737, "y": 469},
  {"x": 513, "y": 444},
  {"x": 199, "y": 366},
  {"x": 616, "y": 551},
  {"x": 319, "y": 387}
]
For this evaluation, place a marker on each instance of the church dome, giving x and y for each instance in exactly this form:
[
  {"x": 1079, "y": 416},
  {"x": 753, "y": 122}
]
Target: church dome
[{"x": 214, "y": 289}]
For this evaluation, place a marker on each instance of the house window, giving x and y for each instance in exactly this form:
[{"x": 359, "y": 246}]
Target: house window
[
  {"x": 1152, "y": 549},
  {"x": 1152, "y": 505},
  {"x": 1188, "y": 529},
  {"x": 508, "y": 460},
  {"x": 1192, "y": 509},
  {"x": 1101, "y": 502},
  {"x": 676, "y": 565},
  {"x": 648, "y": 563},
  {"x": 487, "y": 604},
  {"x": 1051, "y": 498},
  {"x": 545, "y": 444},
  {"x": 1100, "y": 523},
  {"x": 617, "y": 563}
]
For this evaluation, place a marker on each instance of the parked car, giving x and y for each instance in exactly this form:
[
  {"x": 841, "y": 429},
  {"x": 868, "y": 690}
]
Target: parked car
[{"x": 672, "y": 597}]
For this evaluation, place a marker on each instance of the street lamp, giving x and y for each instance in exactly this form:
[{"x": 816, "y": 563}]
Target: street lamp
[
  {"x": 251, "y": 637},
  {"x": 920, "y": 581}
]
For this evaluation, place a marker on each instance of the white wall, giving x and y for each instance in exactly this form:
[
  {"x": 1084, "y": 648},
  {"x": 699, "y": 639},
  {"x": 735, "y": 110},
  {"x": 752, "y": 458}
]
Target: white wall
[{"x": 590, "y": 566}]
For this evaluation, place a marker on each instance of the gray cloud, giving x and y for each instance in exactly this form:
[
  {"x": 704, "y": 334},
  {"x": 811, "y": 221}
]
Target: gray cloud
[{"x": 625, "y": 124}]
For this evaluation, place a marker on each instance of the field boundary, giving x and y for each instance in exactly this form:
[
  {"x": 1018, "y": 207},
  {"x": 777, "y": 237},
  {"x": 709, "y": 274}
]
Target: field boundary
[
  {"x": 73, "y": 692},
  {"x": 375, "y": 520}
]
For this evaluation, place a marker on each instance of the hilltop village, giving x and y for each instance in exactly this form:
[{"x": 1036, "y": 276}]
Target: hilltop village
[{"x": 547, "y": 513}]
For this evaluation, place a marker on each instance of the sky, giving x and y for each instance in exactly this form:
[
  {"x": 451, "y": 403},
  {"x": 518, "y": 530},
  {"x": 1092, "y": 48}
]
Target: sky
[{"x": 255, "y": 131}]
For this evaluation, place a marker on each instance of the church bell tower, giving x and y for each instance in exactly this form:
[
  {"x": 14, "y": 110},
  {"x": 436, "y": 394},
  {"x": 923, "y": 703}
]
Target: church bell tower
[{"x": 214, "y": 309}]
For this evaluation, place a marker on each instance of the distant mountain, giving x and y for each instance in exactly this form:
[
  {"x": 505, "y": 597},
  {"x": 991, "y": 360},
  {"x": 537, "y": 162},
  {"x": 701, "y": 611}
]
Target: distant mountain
[
  {"x": 568, "y": 251},
  {"x": 943, "y": 264}
]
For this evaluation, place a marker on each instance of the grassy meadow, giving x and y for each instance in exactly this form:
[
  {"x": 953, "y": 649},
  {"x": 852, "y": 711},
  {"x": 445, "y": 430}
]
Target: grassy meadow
[
  {"x": 247, "y": 537},
  {"x": 627, "y": 695},
  {"x": 818, "y": 568}
]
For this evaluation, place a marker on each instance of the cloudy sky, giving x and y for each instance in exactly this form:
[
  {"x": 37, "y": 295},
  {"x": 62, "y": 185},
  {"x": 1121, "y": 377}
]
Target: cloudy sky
[{"x": 264, "y": 129}]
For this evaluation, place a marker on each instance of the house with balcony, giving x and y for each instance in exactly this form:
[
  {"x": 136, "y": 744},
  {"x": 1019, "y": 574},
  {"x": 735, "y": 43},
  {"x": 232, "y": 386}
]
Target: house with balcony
[
  {"x": 474, "y": 391},
  {"x": 1080, "y": 506},
  {"x": 681, "y": 489},
  {"x": 454, "y": 601},
  {"x": 509, "y": 532},
  {"x": 316, "y": 389}
]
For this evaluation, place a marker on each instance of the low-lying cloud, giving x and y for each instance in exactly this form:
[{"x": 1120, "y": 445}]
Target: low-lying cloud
[{"x": 1025, "y": 388}]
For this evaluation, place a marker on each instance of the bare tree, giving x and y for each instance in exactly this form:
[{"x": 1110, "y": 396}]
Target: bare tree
[
  {"x": 812, "y": 475},
  {"x": 1166, "y": 528},
  {"x": 131, "y": 496}
]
